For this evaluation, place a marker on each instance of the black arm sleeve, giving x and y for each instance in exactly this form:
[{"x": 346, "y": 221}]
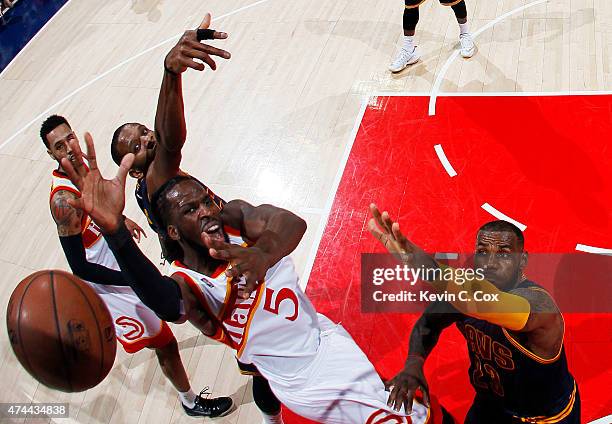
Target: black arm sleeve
[
  {"x": 95, "y": 273},
  {"x": 161, "y": 294},
  {"x": 426, "y": 332}
]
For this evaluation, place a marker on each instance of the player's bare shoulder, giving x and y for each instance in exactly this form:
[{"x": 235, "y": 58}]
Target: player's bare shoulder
[{"x": 67, "y": 218}]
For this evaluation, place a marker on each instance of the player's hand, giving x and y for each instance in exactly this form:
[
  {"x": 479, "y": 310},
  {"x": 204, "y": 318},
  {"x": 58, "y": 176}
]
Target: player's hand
[
  {"x": 189, "y": 48},
  {"x": 101, "y": 199},
  {"x": 388, "y": 233},
  {"x": 250, "y": 262},
  {"x": 405, "y": 384},
  {"x": 135, "y": 230}
]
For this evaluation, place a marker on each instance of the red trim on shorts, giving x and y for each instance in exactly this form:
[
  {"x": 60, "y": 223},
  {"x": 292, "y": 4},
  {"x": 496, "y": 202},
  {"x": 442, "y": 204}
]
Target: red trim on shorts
[{"x": 160, "y": 340}]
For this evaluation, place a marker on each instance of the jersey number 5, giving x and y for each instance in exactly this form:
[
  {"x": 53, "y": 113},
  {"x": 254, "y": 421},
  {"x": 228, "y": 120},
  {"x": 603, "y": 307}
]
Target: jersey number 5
[{"x": 274, "y": 299}]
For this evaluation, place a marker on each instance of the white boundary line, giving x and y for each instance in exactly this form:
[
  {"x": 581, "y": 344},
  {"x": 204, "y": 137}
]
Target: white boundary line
[
  {"x": 592, "y": 249},
  {"x": 438, "y": 82},
  {"x": 105, "y": 73},
  {"x": 445, "y": 163},
  {"x": 493, "y": 93},
  {"x": 499, "y": 215},
  {"x": 603, "y": 420},
  {"x": 33, "y": 38},
  {"x": 332, "y": 195}
]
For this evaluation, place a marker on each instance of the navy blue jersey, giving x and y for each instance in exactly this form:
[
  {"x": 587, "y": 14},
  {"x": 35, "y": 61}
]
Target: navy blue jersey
[
  {"x": 142, "y": 197},
  {"x": 510, "y": 378}
]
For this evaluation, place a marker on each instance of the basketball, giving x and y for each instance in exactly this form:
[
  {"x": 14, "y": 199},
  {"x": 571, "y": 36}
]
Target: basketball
[{"x": 61, "y": 331}]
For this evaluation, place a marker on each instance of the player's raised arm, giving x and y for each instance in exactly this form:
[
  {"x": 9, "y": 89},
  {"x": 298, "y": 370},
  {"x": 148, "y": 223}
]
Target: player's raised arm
[
  {"x": 170, "y": 125},
  {"x": 423, "y": 338},
  {"x": 513, "y": 311},
  {"x": 104, "y": 201}
]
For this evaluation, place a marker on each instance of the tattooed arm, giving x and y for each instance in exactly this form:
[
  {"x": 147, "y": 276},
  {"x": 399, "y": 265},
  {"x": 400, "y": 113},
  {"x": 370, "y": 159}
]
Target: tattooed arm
[{"x": 68, "y": 220}]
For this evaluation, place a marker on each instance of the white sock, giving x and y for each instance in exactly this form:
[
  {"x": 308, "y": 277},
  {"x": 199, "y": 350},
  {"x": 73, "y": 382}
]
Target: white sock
[
  {"x": 408, "y": 43},
  {"x": 188, "y": 398},
  {"x": 273, "y": 419},
  {"x": 464, "y": 29}
]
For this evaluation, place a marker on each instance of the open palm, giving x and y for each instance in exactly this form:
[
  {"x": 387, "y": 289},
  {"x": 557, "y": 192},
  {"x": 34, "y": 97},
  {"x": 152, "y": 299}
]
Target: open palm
[{"x": 101, "y": 199}]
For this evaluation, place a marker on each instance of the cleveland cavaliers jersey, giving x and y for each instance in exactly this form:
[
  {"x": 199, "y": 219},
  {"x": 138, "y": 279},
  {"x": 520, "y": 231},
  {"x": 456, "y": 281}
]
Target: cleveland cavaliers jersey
[
  {"x": 277, "y": 322},
  {"x": 507, "y": 374}
]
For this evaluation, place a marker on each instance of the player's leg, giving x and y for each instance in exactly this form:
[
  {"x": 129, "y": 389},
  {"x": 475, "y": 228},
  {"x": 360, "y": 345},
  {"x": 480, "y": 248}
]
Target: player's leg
[
  {"x": 266, "y": 401},
  {"x": 408, "y": 54},
  {"x": 194, "y": 405},
  {"x": 468, "y": 48}
]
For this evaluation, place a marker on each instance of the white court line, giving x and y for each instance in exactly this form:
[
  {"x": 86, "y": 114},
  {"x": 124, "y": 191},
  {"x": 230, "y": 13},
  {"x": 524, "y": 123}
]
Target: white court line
[
  {"x": 592, "y": 249},
  {"x": 119, "y": 65},
  {"x": 492, "y": 93},
  {"x": 436, "y": 87},
  {"x": 33, "y": 38},
  {"x": 603, "y": 420},
  {"x": 499, "y": 215},
  {"x": 445, "y": 163},
  {"x": 449, "y": 256},
  {"x": 331, "y": 196}
]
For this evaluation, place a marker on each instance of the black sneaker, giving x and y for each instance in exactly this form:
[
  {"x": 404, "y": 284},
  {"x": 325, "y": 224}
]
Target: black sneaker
[{"x": 209, "y": 407}]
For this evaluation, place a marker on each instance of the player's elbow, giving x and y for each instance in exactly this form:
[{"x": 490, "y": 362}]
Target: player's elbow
[{"x": 300, "y": 226}]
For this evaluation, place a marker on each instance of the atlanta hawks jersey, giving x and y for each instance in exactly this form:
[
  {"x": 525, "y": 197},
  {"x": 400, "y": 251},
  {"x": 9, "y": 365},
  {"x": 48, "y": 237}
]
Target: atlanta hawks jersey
[
  {"x": 96, "y": 249},
  {"x": 276, "y": 322},
  {"x": 313, "y": 365},
  {"x": 136, "y": 325}
]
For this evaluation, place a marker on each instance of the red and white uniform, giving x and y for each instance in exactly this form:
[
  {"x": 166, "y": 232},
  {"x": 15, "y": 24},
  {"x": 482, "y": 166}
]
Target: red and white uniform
[
  {"x": 136, "y": 325},
  {"x": 313, "y": 366}
]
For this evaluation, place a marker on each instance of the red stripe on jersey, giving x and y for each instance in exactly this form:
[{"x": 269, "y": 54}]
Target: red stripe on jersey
[{"x": 195, "y": 289}]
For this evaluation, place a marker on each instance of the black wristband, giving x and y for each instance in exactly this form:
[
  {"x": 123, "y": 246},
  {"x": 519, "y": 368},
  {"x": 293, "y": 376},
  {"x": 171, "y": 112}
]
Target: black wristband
[{"x": 205, "y": 34}]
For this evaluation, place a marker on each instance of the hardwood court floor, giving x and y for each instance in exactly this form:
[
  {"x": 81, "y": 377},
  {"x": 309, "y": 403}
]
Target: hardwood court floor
[{"x": 270, "y": 125}]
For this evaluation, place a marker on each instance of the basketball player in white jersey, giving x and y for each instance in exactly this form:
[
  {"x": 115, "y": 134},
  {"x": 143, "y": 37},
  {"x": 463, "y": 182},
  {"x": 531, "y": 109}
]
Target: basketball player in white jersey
[
  {"x": 90, "y": 258},
  {"x": 313, "y": 365}
]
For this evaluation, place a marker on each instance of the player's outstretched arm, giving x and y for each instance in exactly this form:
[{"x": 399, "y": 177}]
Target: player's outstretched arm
[
  {"x": 68, "y": 221},
  {"x": 274, "y": 232},
  {"x": 170, "y": 124},
  {"x": 510, "y": 311},
  {"x": 423, "y": 338},
  {"x": 104, "y": 201}
]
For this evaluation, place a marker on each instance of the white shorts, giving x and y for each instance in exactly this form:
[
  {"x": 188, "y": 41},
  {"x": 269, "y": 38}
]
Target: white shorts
[
  {"x": 136, "y": 326},
  {"x": 341, "y": 386}
]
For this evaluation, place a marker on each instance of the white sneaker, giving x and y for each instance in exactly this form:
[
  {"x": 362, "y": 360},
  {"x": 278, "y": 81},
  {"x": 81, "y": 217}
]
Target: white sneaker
[
  {"x": 403, "y": 59},
  {"x": 468, "y": 48}
]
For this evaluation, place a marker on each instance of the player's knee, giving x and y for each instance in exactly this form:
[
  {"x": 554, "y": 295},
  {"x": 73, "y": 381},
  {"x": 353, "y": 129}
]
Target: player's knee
[
  {"x": 168, "y": 352},
  {"x": 265, "y": 400}
]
